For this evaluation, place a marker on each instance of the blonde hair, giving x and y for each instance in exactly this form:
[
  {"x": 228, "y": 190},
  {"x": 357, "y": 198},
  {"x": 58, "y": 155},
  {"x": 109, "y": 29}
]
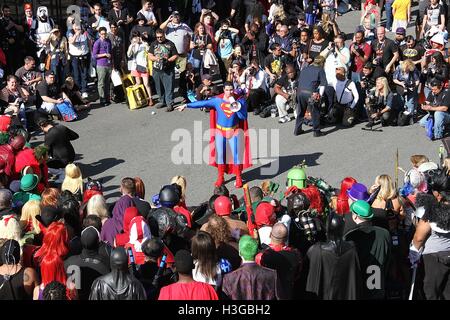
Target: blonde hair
[
  {"x": 10, "y": 229},
  {"x": 387, "y": 190},
  {"x": 407, "y": 65},
  {"x": 73, "y": 180},
  {"x": 418, "y": 159},
  {"x": 30, "y": 210},
  {"x": 97, "y": 206},
  {"x": 386, "y": 89},
  {"x": 446, "y": 165},
  {"x": 181, "y": 181}
]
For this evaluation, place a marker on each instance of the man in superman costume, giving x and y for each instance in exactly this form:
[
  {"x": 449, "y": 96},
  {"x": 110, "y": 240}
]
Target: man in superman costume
[{"x": 229, "y": 141}]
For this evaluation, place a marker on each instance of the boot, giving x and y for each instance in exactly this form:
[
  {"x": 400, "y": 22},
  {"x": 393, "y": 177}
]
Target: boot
[
  {"x": 237, "y": 172},
  {"x": 221, "y": 171}
]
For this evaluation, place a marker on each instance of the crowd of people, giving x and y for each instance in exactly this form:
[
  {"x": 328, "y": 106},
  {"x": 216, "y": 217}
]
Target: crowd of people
[
  {"x": 60, "y": 239},
  {"x": 288, "y": 58}
]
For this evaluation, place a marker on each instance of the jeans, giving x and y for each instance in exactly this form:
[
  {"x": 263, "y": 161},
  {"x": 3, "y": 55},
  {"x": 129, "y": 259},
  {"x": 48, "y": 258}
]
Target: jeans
[
  {"x": 58, "y": 69},
  {"x": 440, "y": 120},
  {"x": 411, "y": 101},
  {"x": 80, "y": 73},
  {"x": 167, "y": 79},
  {"x": 103, "y": 82},
  {"x": 389, "y": 16}
]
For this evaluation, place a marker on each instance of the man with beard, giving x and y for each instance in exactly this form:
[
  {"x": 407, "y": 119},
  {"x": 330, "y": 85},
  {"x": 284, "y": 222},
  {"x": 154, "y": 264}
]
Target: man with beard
[
  {"x": 40, "y": 32},
  {"x": 342, "y": 98},
  {"x": 285, "y": 88}
]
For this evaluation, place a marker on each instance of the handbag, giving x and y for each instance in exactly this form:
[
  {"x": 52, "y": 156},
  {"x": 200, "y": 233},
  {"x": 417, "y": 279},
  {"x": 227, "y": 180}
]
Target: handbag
[
  {"x": 116, "y": 78},
  {"x": 67, "y": 112},
  {"x": 48, "y": 62}
]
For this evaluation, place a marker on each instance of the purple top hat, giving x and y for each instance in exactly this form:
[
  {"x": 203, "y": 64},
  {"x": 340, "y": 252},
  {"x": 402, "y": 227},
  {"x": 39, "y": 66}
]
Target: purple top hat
[{"x": 358, "y": 192}]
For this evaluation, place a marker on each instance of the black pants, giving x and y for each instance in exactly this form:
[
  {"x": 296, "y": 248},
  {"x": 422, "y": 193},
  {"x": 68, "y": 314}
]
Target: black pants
[
  {"x": 436, "y": 284},
  {"x": 342, "y": 114},
  {"x": 302, "y": 105},
  {"x": 255, "y": 99}
]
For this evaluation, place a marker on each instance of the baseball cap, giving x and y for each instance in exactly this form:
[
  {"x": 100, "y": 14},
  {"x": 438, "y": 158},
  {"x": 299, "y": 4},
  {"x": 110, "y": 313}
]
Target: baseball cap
[
  {"x": 175, "y": 13},
  {"x": 368, "y": 65},
  {"x": 400, "y": 30},
  {"x": 49, "y": 73},
  {"x": 206, "y": 77}
]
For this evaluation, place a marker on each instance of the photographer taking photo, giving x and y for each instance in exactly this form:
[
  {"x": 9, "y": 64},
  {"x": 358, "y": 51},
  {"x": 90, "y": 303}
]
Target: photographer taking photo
[
  {"x": 406, "y": 77},
  {"x": 336, "y": 53},
  {"x": 436, "y": 69},
  {"x": 379, "y": 103},
  {"x": 342, "y": 98},
  {"x": 255, "y": 86},
  {"x": 437, "y": 104}
]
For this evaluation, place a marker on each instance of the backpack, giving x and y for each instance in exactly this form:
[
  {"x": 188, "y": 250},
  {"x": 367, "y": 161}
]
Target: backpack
[{"x": 429, "y": 127}]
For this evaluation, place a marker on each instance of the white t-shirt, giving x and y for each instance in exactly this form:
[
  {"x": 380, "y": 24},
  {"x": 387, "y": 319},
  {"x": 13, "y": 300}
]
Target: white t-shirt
[
  {"x": 349, "y": 95},
  {"x": 149, "y": 15},
  {"x": 217, "y": 281},
  {"x": 180, "y": 35}
]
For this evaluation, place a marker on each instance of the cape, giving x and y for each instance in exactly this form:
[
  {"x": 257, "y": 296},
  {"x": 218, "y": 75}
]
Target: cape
[
  {"x": 332, "y": 276},
  {"x": 243, "y": 125}
]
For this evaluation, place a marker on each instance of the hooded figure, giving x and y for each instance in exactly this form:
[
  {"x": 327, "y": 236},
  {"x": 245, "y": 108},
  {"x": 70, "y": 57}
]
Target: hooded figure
[
  {"x": 119, "y": 284},
  {"x": 90, "y": 263},
  {"x": 334, "y": 271},
  {"x": 114, "y": 226}
]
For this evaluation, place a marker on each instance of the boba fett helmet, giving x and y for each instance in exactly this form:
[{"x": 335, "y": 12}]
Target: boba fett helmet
[{"x": 296, "y": 177}]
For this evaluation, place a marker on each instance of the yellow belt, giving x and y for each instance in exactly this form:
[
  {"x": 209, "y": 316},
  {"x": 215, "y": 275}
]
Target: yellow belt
[{"x": 225, "y": 129}]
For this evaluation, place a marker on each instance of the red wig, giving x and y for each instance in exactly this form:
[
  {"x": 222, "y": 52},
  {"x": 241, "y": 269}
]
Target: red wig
[
  {"x": 342, "y": 199},
  {"x": 140, "y": 187},
  {"x": 314, "y": 197},
  {"x": 51, "y": 254}
]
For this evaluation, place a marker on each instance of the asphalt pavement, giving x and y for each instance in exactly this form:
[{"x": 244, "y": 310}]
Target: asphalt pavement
[{"x": 116, "y": 142}]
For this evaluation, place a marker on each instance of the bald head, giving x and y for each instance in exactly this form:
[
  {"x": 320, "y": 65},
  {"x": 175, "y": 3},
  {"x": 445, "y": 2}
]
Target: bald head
[
  {"x": 381, "y": 33},
  {"x": 279, "y": 233}
]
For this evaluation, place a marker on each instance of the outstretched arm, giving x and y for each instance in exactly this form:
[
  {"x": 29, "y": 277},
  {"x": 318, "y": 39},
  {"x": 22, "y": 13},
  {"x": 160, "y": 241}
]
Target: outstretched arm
[{"x": 211, "y": 103}]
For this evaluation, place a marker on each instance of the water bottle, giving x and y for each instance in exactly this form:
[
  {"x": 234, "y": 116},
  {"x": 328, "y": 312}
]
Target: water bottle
[{"x": 273, "y": 113}]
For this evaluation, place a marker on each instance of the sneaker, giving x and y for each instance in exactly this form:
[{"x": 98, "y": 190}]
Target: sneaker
[
  {"x": 288, "y": 118},
  {"x": 85, "y": 95},
  {"x": 170, "y": 108},
  {"x": 282, "y": 120},
  {"x": 406, "y": 113}
]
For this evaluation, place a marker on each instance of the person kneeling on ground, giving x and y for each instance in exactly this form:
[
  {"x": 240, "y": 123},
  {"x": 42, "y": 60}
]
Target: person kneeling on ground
[
  {"x": 379, "y": 103},
  {"x": 437, "y": 104},
  {"x": 70, "y": 91},
  {"x": 342, "y": 98},
  {"x": 286, "y": 93},
  {"x": 49, "y": 94}
]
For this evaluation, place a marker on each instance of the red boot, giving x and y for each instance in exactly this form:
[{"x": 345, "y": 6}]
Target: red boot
[
  {"x": 221, "y": 171},
  {"x": 237, "y": 172}
]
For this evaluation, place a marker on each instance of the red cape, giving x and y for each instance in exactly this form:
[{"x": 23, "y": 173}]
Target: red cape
[{"x": 243, "y": 125}]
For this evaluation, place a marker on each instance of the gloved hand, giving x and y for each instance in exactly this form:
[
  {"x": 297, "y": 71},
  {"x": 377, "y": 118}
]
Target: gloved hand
[{"x": 414, "y": 256}]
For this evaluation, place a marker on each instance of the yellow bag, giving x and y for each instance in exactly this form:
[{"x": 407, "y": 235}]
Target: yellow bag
[
  {"x": 127, "y": 80},
  {"x": 137, "y": 97}
]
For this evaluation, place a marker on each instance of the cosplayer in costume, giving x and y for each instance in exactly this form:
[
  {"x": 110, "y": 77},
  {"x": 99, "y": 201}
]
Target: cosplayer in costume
[{"x": 229, "y": 142}]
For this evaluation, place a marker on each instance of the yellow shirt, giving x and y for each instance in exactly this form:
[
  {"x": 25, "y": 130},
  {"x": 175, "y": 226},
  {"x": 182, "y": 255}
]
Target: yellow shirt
[{"x": 401, "y": 9}]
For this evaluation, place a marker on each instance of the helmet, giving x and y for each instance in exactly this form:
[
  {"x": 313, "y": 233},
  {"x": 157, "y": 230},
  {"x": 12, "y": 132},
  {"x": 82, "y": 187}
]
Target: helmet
[
  {"x": 296, "y": 177},
  {"x": 169, "y": 196},
  {"x": 222, "y": 206},
  {"x": 297, "y": 202}
]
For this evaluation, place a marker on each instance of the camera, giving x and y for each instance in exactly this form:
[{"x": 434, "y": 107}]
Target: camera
[{"x": 252, "y": 71}]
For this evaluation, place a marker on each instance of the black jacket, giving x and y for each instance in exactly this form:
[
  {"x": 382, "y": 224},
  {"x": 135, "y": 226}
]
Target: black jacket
[
  {"x": 91, "y": 265},
  {"x": 117, "y": 285}
]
